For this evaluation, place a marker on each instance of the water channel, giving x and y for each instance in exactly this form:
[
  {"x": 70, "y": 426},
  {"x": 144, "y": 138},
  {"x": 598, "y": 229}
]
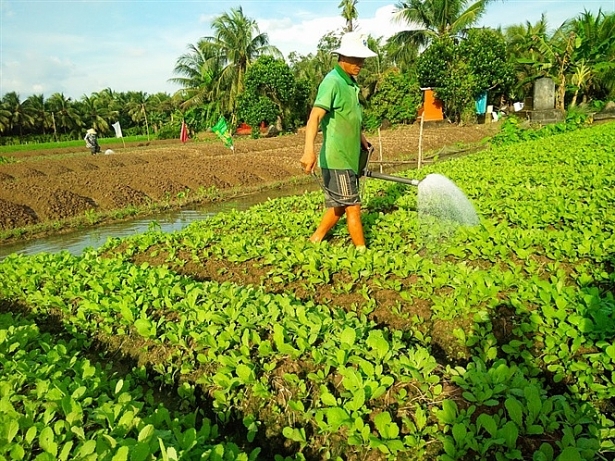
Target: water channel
[{"x": 76, "y": 241}]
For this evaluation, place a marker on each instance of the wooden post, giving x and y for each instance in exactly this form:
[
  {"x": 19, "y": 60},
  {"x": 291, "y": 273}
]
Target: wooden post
[
  {"x": 55, "y": 131},
  {"x": 380, "y": 147},
  {"x": 146, "y": 124},
  {"x": 420, "y": 156}
]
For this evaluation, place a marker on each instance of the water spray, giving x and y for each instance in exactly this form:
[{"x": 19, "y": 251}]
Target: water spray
[{"x": 438, "y": 196}]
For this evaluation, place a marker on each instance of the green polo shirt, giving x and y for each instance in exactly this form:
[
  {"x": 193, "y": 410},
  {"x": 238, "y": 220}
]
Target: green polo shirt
[{"x": 338, "y": 94}]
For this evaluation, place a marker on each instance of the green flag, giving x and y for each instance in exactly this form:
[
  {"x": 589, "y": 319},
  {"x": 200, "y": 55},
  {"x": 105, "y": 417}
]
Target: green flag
[{"x": 221, "y": 129}]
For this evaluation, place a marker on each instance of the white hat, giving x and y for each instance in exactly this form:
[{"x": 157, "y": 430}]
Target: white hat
[
  {"x": 91, "y": 131},
  {"x": 354, "y": 45}
]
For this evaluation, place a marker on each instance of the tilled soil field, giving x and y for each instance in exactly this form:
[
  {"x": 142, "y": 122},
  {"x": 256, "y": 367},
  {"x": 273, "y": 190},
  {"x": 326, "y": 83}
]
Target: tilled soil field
[{"x": 59, "y": 184}]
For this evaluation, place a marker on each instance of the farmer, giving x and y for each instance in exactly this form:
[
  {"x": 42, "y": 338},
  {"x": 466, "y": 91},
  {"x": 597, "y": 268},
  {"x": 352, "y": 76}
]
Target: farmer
[
  {"x": 91, "y": 142},
  {"x": 338, "y": 112}
]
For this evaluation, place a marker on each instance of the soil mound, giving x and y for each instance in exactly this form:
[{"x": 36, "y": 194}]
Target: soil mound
[
  {"x": 13, "y": 216},
  {"x": 59, "y": 183},
  {"x": 65, "y": 204},
  {"x": 125, "y": 194}
]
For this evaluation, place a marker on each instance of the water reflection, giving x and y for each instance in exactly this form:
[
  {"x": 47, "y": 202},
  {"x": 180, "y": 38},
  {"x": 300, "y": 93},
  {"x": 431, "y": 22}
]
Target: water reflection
[{"x": 75, "y": 242}]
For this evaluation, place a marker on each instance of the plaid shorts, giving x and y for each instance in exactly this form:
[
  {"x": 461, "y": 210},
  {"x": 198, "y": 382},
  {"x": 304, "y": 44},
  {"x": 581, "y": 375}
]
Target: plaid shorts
[{"x": 341, "y": 188}]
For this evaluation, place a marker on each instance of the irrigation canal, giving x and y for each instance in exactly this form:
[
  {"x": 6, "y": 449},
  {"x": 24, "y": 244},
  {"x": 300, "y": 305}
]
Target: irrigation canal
[{"x": 76, "y": 241}]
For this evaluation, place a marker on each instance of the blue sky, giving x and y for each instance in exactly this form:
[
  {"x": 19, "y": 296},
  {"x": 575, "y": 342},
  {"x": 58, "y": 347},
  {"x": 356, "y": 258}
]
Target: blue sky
[{"x": 78, "y": 47}]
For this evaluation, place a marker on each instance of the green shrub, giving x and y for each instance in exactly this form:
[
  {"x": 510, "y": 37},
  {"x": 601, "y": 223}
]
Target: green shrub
[{"x": 397, "y": 99}]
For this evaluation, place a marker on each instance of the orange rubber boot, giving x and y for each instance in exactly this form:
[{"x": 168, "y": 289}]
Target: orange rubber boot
[
  {"x": 329, "y": 219},
  {"x": 355, "y": 227}
]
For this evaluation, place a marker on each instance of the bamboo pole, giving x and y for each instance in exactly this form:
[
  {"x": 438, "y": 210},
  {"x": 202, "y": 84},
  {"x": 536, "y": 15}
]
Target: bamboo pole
[
  {"x": 420, "y": 156},
  {"x": 393, "y": 162},
  {"x": 146, "y": 124},
  {"x": 380, "y": 147}
]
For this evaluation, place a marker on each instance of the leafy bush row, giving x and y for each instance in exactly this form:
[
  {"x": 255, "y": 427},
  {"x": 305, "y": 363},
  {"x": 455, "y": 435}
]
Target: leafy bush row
[{"x": 493, "y": 342}]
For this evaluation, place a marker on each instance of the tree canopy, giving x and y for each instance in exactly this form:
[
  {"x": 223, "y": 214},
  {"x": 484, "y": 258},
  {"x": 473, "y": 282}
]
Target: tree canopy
[{"x": 238, "y": 73}]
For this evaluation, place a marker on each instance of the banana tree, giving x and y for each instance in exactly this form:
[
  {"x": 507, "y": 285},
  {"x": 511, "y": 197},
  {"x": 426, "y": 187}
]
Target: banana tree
[{"x": 581, "y": 78}]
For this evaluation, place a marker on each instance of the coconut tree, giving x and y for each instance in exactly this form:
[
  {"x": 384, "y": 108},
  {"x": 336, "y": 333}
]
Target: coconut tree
[
  {"x": 594, "y": 54},
  {"x": 138, "y": 105},
  {"x": 65, "y": 117},
  {"x": 374, "y": 67},
  {"x": 401, "y": 54},
  {"x": 5, "y": 118},
  {"x": 239, "y": 42},
  {"x": 522, "y": 42},
  {"x": 199, "y": 71},
  {"x": 96, "y": 112},
  {"x": 163, "y": 106},
  {"x": 431, "y": 19},
  {"x": 349, "y": 13},
  {"x": 20, "y": 111},
  {"x": 579, "y": 55},
  {"x": 40, "y": 112},
  {"x": 110, "y": 99},
  {"x": 520, "y": 38}
]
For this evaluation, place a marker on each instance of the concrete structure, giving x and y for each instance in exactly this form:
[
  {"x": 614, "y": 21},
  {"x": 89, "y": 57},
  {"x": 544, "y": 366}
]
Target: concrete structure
[
  {"x": 544, "y": 94},
  {"x": 541, "y": 107}
]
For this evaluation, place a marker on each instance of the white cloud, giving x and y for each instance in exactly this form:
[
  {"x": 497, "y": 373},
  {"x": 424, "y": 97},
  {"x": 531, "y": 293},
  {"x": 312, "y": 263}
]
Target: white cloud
[
  {"x": 48, "y": 47},
  {"x": 302, "y": 37},
  {"x": 383, "y": 23}
]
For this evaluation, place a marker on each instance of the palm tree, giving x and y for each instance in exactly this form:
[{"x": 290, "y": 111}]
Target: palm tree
[
  {"x": 138, "y": 105},
  {"x": 554, "y": 57},
  {"x": 349, "y": 13},
  {"x": 522, "y": 43},
  {"x": 594, "y": 54},
  {"x": 374, "y": 67},
  {"x": 111, "y": 100},
  {"x": 200, "y": 70},
  {"x": 20, "y": 112},
  {"x": 38, "y": 109},
  {"x": 239, "y": 42},
  {"x": 521, "y": 38},
  {"x": 64, "y": 114},
  {"x": 5, "y": 118},
  {"x": 162, "y": 106},
  {"x": 580, "y": 55},
  {"x": 96, "y": 110},
  {"x": 436, "y": 19},
  {"x": 401, "y": 54}
]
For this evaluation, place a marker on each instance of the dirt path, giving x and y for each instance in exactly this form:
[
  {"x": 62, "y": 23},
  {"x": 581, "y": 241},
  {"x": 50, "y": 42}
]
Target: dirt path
[{"x": 58, "y": 184}]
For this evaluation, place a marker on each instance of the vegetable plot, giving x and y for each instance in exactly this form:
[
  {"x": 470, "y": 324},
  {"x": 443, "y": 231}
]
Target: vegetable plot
[{"x": 485, "y": 342}]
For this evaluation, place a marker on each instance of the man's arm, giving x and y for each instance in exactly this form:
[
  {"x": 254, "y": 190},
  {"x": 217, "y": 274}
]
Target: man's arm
[
  {"x": 364, "y": 142},
  {"x": 308, "y": 161}
]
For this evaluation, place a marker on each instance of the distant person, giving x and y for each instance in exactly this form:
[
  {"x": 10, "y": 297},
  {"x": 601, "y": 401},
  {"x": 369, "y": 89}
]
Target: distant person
[
  {"x": 91, "y": 141},
  {"x": 338, "y": 112}
]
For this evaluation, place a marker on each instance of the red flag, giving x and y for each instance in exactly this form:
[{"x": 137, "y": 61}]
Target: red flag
[{"x": 183, "y": 136}]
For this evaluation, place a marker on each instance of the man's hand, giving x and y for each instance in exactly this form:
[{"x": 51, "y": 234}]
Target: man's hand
[
  {"x": 365, "y": 144},
  {"x": 308, "y": 161}
]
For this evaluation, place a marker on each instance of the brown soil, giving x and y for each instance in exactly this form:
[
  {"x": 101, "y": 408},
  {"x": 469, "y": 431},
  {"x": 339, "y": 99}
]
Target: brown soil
[{"x": 59, "y": 184}]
